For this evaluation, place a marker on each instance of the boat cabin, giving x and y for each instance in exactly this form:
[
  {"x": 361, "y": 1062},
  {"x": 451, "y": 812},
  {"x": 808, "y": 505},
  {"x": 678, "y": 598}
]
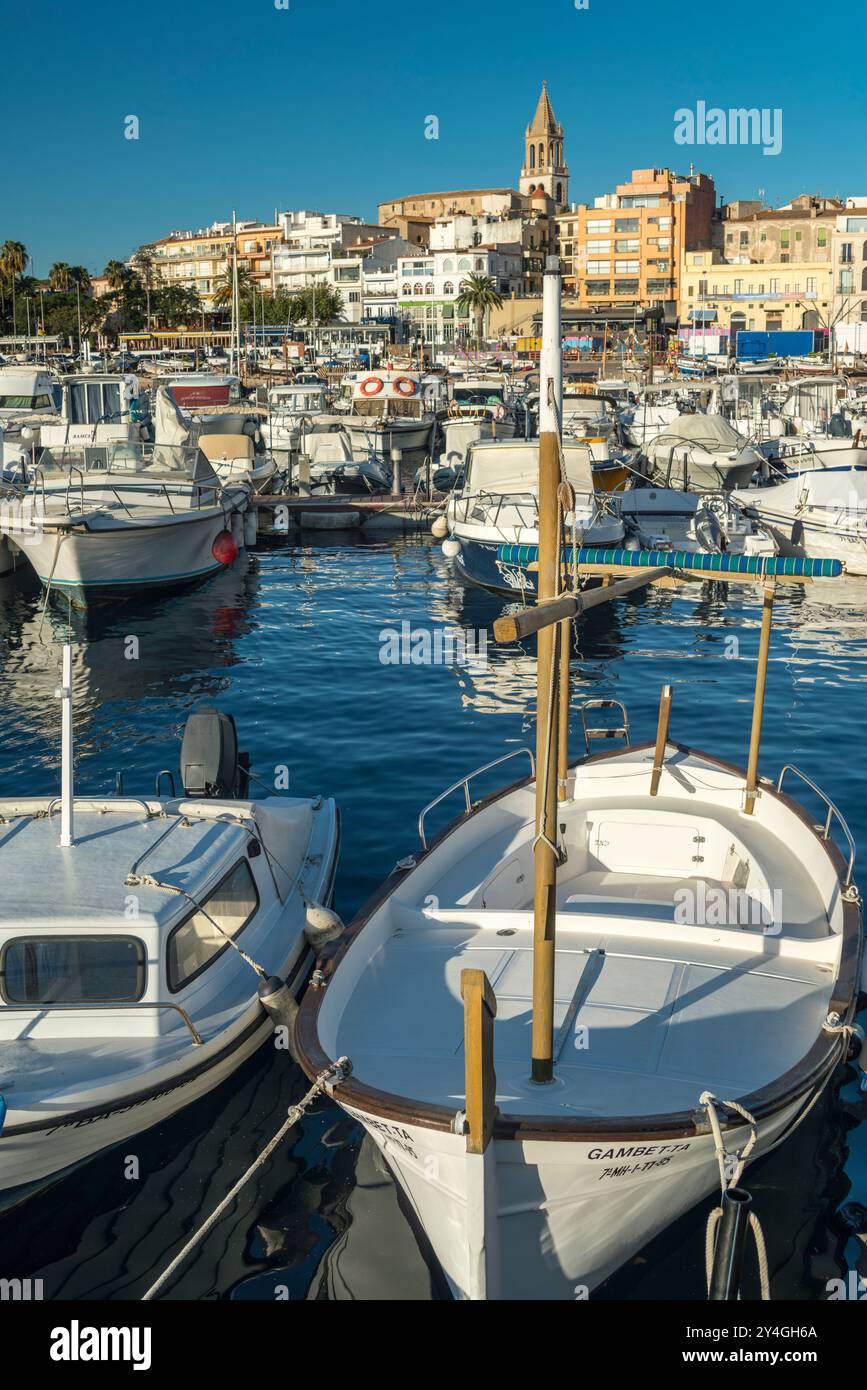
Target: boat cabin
[
  {"x": 388, "y": 393},
  {"x": 166, "y": 959}
]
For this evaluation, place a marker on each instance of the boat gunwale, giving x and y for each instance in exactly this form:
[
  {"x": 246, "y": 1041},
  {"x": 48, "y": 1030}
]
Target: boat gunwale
[{"x": 816, "y": 1064}]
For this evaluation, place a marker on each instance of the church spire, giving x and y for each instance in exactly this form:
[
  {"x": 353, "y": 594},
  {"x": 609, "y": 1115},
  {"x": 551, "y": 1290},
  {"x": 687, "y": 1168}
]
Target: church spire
[
  {"x": 545, "y": 167},
  {"x": 544, "y": 122}
]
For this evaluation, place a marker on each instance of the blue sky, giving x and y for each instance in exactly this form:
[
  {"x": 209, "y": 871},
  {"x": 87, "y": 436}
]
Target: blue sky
[{"x": 322, "y": 105}]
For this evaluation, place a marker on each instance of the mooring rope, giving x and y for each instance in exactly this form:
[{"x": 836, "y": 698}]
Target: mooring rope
[
  {"x": 710, "y": 1103},
  {"x": 148, "y": 881},
  {"x": 336, "y": 1072}
]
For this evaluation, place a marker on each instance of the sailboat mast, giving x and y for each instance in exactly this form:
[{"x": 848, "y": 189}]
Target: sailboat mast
[{"x": 545, "y": 852}]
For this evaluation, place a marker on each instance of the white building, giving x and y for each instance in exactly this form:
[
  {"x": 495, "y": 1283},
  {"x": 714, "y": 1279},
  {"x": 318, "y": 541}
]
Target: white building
[
  {"x": 430, "y": 285},
  {"x": 849, "y": 265}
]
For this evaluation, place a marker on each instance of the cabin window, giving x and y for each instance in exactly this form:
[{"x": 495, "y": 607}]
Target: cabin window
[
  {"x": 197, "y": 942},
  {"x": 72, "y": 970},
  {"x": 25, "y": 402}
]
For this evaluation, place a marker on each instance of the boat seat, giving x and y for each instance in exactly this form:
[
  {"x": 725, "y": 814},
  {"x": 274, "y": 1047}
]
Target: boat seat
[{"x": 217, "y": 447}]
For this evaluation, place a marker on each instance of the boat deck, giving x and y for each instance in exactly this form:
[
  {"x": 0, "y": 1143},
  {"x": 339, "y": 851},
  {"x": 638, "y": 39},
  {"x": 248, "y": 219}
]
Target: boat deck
[{"x": 641, "y": 1026}]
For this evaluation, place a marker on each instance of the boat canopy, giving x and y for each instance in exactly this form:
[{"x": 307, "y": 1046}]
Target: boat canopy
[
  {"x": 815, "y": 399},
  {"x": 513, "y": 466}
]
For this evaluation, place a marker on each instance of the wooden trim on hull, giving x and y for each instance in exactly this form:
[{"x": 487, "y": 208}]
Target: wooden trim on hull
[{"x": 815, "y": 1067}]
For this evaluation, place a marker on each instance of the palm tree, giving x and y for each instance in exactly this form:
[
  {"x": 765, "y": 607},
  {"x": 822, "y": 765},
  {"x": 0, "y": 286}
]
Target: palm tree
[
  {"x": 478, "y": 296},
  {"x": 58, "y": 276},
  {"x": 117, "y": 275},
  {"x": 80, "y": 277},
  {"x": 13, "y": 258},
  {"x": 224, "y": 290},
  {"x": 144, "y": 261}
]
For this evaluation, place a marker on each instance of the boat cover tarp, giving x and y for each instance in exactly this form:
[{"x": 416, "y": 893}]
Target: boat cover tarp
[{"x": 504, "y": 468}]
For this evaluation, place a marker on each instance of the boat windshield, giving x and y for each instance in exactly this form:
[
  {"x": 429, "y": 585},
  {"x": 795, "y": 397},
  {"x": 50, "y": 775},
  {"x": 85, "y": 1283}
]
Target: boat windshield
[
  {"x": 478, "y": 395},
  {"x": 125, "y": 458}
]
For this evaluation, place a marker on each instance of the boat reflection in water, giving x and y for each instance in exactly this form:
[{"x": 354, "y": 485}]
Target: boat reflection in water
[{"x": 133, "y": 665}]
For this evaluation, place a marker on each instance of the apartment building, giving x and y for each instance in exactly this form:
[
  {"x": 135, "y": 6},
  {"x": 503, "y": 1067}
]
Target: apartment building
[
  {"x": 770, "y": 295},
  {"x": 430, "y": 285},
  {"x": 256, "y": 242},
  {"x": 849, "y": 264},
  {"x": 626, "y": 251},
  {"x": 767, "y": 269},
  {"x": 195, "y": 259}
]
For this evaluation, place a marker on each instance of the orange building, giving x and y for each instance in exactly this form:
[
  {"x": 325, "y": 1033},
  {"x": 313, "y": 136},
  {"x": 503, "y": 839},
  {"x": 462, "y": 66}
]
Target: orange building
[{"x": 626, "y": 250}]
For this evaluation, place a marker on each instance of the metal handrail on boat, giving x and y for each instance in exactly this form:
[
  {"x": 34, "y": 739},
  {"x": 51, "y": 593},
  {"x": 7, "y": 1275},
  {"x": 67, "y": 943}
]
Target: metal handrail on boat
[
  {"x": 465, "y": 783},
  {"x": 832, "y": 812},
  {"x": 198, "y": 1040},
  {"x": 103, "y": 801}
]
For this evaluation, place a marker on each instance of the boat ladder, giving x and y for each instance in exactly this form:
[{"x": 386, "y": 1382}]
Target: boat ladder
[{"x": 605, "y": 731}]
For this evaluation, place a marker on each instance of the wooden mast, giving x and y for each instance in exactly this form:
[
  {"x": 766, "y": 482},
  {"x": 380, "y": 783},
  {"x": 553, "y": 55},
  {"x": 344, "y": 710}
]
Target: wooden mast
[
  {"x": 759, "y": 700},
  {"x": 547, "y": 680}
]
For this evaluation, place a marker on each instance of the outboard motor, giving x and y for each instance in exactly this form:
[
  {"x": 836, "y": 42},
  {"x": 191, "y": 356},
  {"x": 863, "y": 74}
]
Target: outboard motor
[{"x": 211, "y": 765}]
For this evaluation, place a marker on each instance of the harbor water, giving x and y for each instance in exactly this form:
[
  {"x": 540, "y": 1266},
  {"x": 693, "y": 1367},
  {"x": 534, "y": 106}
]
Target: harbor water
[{"x": 368, "y": 672}]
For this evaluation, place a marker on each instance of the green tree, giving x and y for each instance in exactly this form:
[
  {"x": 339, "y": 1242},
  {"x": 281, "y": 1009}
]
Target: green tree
[
  {"x": 224, "y": 291},
  {"x": 80, "y": 277},
  {"x": 327, "y": 300},
  {"x": 177, "y": 305},
  {"x": 128, "y": 298},
  {"x": 145, "y": 266},
  {"x": 58, "y": 276},
  {"x": 478, "y": 296},
  {"x": 13, "y": 258}
]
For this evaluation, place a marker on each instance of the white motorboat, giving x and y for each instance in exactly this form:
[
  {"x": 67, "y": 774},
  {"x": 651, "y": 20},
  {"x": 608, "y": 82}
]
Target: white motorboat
[
  {"x": 147, "y": 517},
  {"x": 818, "y": 512},
  {"x": 78, "y": 411},
  {"x": 148, "y": 946},
  {"x": 296, "y": 410},
  {"x": 231, "y": 442},
  {"x": 648, "y": 417},
  {"x": 196, "y": 391},
  {"x": 493, "y": 516},
  {"x": 388, "y": 412},
  {"x": 482, "y": 399},
  {"x": 819, "y": 428},
  {"x": 658, "y": 518},
  {"x": 701, "y": 453},
  {"x": 29, "y": 398}
]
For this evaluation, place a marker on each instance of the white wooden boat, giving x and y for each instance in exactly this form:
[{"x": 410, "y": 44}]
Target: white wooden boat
[
  {"x": 653, "y": 1008},
  {"x": 123, "y": 993},
  {"x": 573, "y": 1009}
]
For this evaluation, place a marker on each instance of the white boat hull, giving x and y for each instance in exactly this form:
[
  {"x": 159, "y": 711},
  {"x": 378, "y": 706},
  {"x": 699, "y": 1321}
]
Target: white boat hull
[
  {"x": 117, "y": 554},
  {"x": 572, "y": 1212}
]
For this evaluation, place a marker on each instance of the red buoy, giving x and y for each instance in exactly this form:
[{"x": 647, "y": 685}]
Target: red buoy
[{"x": 225, "y": 548}]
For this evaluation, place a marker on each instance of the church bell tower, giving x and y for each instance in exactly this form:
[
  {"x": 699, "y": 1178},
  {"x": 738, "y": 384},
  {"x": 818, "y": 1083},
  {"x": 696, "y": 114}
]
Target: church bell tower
[{"x": 545, "y": 165}]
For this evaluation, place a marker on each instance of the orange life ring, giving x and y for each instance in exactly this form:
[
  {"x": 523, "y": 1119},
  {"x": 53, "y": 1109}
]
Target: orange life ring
[
  {"x": 404, "y": 386},
  {"x": 371, "y": 386}
]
